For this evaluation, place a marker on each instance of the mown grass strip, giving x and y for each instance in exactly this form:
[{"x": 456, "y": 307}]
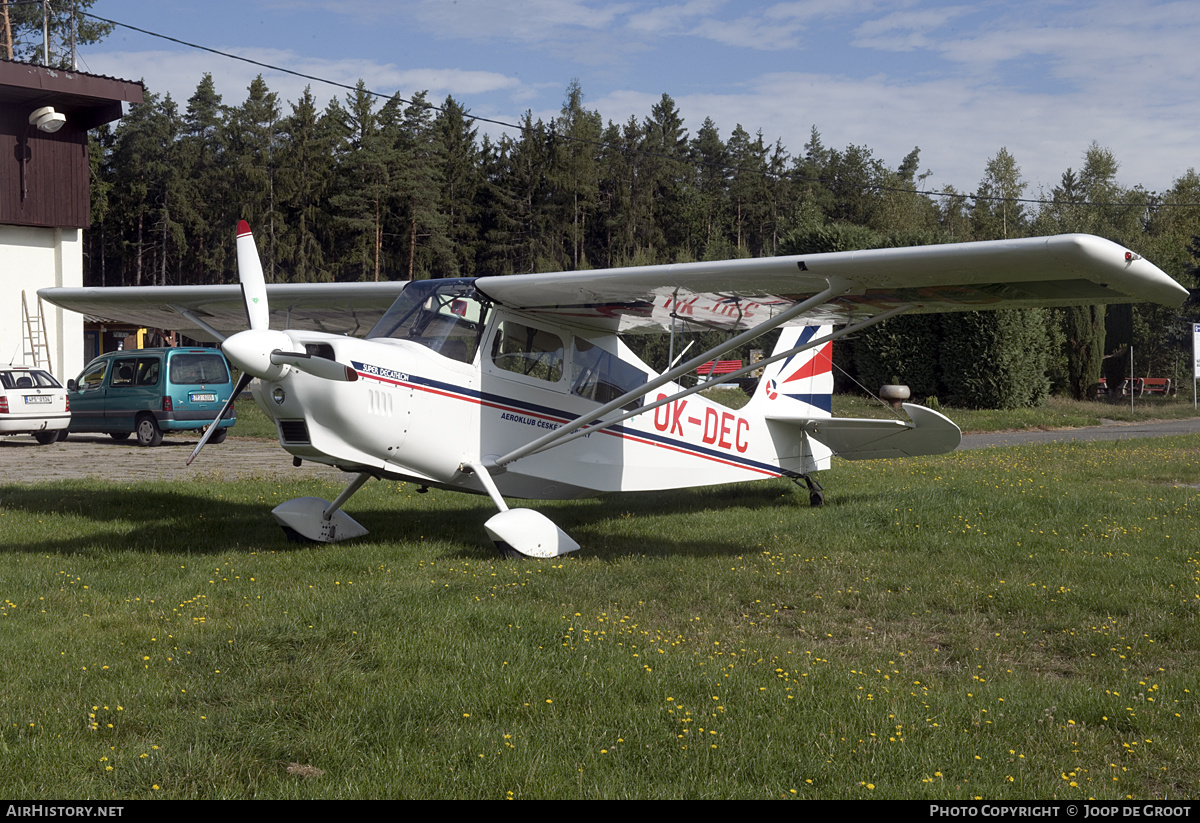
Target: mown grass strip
[{"x": 1005, "y": 623}]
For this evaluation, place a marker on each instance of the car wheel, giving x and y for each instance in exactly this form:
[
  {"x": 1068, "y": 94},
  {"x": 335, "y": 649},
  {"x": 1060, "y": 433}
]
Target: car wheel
[
  {"x": 62, "y": 435},
  {"x": 46, "y": 438},
  {"x": 148, "y": 432},
  {"x": 119, "y": 436},
  {"x": 219, "y": 436}
]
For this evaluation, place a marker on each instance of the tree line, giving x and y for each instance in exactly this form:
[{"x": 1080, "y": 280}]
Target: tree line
[{"x": 368, "y": 188}]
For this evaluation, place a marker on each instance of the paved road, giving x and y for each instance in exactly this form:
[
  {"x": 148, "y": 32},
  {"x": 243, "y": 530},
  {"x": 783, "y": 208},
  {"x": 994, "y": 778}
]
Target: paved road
[
  {"x": 1111, "y": 430},
  {"x": 22, "y": 460}
]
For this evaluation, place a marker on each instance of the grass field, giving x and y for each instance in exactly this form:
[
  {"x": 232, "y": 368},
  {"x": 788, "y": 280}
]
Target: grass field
[
  {"x": 1055, "y": 413},
  {"x": 1016, "y": 623}
]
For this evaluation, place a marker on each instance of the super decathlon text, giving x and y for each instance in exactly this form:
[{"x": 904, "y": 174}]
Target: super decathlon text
[
  {"x": 40, "y": 810},
  {"x": 378, "y": 371}
]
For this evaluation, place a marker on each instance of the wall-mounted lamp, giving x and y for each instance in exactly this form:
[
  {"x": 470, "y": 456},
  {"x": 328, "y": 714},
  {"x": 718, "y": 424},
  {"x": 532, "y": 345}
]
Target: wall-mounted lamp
[{"x": 47, "y": 119}]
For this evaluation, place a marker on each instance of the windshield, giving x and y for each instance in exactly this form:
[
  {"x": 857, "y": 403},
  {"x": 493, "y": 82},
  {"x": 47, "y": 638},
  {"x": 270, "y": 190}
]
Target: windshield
[{"x": 446, "y": 316}]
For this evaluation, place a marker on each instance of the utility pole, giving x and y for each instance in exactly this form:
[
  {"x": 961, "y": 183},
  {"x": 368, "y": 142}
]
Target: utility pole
[
  {"x": 74, "y": 29},
  {"x": 8, "y": 46}
]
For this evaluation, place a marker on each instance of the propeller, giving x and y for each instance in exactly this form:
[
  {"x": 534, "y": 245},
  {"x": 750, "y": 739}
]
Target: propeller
[
  {"x": 250, "y": 273},
  {"x": 242, "y": 383},
  {"x": 259, "y": 351}
]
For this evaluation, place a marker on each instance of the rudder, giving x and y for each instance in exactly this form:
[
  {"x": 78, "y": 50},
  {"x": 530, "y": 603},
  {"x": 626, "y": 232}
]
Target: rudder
[{"x": 800, "y": 386}]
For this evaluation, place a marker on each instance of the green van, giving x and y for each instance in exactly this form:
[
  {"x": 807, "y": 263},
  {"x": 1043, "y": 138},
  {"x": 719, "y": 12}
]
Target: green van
[{"x": 151, "y": 391}]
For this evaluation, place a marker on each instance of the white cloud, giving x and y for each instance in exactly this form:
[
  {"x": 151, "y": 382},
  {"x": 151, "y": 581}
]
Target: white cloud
[
  {"x": 528, "y": 21},
  {"x": 958, "y": 126},
  {"x": 906, "y": 30},
  {"x": 178, "y": 74},
  {"x": 1043, "y": 78},
  {"x": 671, "y": 19}
]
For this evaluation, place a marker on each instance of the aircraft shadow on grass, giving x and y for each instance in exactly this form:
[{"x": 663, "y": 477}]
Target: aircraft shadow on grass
[{"x": 177, "y": 521}]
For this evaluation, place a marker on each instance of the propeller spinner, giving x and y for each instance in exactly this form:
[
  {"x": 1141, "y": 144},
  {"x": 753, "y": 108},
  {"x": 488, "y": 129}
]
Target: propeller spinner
[{"x": 259, "y": 351}]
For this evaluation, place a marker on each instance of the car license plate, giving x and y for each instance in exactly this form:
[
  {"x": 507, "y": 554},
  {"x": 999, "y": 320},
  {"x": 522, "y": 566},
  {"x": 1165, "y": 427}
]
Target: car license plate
[
  {"x": 37, "y": 398},
  {"x": 203, "y": 398}
]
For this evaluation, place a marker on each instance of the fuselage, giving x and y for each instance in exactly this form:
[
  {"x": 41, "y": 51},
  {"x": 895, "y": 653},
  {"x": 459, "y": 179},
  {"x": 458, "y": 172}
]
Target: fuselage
[{"x": 446, "y": 379}]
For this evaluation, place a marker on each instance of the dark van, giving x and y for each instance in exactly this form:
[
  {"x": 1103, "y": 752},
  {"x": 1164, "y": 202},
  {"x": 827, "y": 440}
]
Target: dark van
[{"x": 151, "y": 391}]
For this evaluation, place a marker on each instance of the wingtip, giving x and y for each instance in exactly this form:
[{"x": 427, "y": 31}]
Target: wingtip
[{"x": 243, "y": 228}]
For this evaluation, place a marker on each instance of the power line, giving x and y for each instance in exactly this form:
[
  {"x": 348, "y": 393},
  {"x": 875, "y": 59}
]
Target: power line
[{"x": 551, "y": 134}]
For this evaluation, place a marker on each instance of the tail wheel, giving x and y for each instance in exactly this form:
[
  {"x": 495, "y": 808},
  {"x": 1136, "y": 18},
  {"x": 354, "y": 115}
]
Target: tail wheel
[
  {"x": 148, "y": 432},
  {"x": 219, "y": 436}
]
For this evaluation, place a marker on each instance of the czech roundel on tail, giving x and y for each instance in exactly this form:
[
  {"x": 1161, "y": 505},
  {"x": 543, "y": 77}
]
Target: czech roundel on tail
[{"x": 522, "y": 387}]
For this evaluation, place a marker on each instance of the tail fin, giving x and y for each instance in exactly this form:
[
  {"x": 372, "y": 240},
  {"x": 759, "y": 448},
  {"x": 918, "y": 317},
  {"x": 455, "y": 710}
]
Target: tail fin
[{"x": 799, "y": 387}]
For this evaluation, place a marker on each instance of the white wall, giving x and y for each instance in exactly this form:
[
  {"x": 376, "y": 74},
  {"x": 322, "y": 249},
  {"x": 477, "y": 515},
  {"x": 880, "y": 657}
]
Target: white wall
[{"x": 32, "y": 259}]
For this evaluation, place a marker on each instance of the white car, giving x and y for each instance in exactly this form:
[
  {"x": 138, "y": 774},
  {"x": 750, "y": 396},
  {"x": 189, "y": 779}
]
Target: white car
[{"x": 32, "y": 402}]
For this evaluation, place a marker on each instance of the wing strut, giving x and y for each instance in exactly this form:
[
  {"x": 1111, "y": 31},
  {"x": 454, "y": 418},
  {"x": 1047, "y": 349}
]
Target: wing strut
[
  {"x": 816, "y": 341},
  {"x": 837, "y": 287},
  {"x": 189, "y": 315}
]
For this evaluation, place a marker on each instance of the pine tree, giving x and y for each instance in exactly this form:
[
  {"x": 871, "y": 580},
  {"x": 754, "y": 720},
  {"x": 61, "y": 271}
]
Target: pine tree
[
  {"x": 21, "y": 26},
  {"x": 361, "y": 198},
  {"x": 660, "y": 193},
  {"x": 710, "y": 158},
  {"x": 253, "y": 142},
  {"x": 306, "y": 172},
  {"x": 144, "y": 155},
  {"x": 461, "y": 179},
  {"x": 420, "y": 185},
  {"x": 208, "y": 212},
  {"x": 576, "y": 173}
]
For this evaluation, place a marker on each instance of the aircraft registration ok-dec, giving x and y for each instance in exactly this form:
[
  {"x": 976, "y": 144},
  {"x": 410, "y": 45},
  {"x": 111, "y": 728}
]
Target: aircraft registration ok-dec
[{"x": 522, "y": 386}]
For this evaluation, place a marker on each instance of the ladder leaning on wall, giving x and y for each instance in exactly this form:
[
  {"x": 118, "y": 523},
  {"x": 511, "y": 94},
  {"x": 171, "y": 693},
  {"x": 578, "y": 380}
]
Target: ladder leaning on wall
[{"x": 36, "y": 344}]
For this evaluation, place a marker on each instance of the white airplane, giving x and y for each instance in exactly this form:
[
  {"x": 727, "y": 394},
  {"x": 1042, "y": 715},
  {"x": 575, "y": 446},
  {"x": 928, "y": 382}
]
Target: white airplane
[{"x": 520, "y": 387}]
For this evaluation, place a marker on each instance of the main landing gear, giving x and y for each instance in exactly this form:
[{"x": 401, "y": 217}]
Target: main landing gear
[
  {"x": 517, "y": 533},
  {"x": 520, "y": 533}
]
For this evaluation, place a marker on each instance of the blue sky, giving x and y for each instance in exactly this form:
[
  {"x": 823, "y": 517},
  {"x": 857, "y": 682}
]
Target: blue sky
[{"x": 1043, "y": 79}]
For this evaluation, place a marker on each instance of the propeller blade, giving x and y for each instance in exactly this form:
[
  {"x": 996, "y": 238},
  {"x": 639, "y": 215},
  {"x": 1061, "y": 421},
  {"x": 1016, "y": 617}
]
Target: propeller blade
[
  {"x": 316, "y": 366},
  {"x": 250, "y": 273},
  {"x": 242, "y": 383}
]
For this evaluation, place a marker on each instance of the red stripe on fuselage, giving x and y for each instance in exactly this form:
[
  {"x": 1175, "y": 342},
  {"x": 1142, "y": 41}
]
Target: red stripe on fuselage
[{"x": 682, "y": 448}]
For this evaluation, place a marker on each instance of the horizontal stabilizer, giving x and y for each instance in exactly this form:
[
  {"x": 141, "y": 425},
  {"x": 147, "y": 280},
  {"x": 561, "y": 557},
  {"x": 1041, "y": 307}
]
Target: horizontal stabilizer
[{"x": 860, "y": 439}]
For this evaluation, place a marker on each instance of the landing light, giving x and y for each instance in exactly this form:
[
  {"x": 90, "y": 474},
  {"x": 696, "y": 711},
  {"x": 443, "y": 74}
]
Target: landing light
[
  {"x": 47, "y": 119},
  {"x": 278, "y": 395}
]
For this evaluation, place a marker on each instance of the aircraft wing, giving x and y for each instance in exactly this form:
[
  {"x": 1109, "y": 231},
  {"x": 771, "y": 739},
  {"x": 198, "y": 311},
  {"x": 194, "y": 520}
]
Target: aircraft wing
[
  {"x": 339, "y": 308},
  {"x": 733, "y": 294}
]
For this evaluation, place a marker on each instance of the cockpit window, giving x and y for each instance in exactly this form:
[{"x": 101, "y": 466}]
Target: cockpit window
[
  {"x": 603, "y": 377},
  {"x": 446, "y": 316},
  {"x": 525, "y": 350}
]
